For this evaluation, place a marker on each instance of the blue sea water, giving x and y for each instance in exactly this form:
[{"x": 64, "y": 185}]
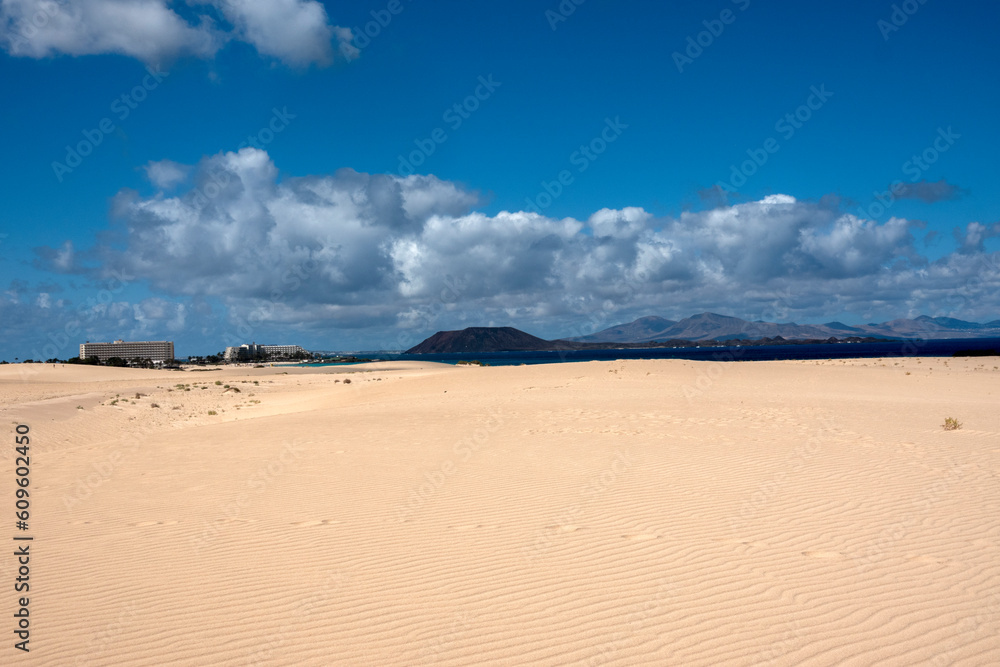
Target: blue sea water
[{"x": 900, "y": 348}]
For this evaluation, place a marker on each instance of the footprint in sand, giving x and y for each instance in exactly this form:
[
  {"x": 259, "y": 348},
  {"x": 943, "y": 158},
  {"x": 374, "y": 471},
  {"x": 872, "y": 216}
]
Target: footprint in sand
[
  {"x": 316, "y": 522},
  {"x": 826, "y": 555}
]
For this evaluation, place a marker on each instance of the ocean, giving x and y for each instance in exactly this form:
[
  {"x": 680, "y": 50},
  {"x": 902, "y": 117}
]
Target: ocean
[{"x": 901, "y": 348}]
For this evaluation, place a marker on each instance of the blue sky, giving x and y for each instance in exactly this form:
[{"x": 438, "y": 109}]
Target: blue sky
[{"x": 291, "y": 171}]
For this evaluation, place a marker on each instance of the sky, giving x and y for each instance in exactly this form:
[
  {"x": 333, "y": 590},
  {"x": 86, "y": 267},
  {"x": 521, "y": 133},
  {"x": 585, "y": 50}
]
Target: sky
[{"x": 357, "y": 176}]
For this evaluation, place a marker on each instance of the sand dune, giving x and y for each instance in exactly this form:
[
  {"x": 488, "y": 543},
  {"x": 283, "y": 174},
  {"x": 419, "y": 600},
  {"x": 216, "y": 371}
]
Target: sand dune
[{"x": 603, "y": 513}]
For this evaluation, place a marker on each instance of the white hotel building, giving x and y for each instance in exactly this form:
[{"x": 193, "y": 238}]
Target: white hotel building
[
  {"x": 249, "y": 351},
  {"x": 157, "y": 350}
]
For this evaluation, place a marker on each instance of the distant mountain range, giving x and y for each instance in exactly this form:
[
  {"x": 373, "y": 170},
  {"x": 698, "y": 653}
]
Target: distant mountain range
[
  {"x": 706, "y": 327},
  {"x": 710, "y": 326}
]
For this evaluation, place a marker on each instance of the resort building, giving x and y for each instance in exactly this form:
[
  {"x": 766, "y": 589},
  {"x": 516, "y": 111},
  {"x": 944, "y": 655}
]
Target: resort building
[
  {"x": 282, "y": 350},
  {"x": 157, "y": 350},
  {"x": 250, "y": 351}
]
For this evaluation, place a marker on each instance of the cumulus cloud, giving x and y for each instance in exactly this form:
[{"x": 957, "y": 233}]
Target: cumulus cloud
[
  {"x": 350, "y": 249},
  {"x": 239, "y": 232},
  {"x": 293, "y": 31},
  {"x": 626, "y": 223},
  {"x": 296, "y": 32},
  {"x": 165, "y": 174},
  {"x": 156, "y": 315},
  {"x": 929, "y": 191},
  {"x": 145, "y": 29},
  {"x": 40, "y": 326},
  {"x": 61, "y": 260},
  {"x": 973, "y": 239}
]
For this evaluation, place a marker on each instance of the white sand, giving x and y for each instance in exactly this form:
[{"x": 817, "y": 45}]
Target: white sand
[{"x": 614, "y": 513}]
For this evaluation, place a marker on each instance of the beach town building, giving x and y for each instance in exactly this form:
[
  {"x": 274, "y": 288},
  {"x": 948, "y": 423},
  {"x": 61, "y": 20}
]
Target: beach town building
[
  {"x": 155, "y": 350},
  {"x": 250, "y": 351}
]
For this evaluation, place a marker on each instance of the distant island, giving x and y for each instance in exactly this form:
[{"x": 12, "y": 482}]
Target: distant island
[{"x": 704, "y": 330}]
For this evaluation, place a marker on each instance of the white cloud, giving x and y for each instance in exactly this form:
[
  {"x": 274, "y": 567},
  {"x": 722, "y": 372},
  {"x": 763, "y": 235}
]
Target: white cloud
[
  {"x": 39, "y": 326},
  {"x": 296, "y": 32},
  {"x": 144, "y": 29},
  {"x": 857, "y": 247},
  {"x": 624, "y": 223},
  {"x": 61, "y": 260},
  {"x": 350, "y": 249},
  {"x": 165, "y": 174},
  {"x": 975, "y": 236},
  {"x": 156, "y": 315}
]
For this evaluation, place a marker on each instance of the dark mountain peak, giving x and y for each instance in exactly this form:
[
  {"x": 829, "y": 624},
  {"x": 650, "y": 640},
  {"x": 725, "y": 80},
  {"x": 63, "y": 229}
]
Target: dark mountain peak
[
  {"x": 652, "y": 319},
  {"x": 480, "y": 339},
  {"x": 644, "y": 328}
]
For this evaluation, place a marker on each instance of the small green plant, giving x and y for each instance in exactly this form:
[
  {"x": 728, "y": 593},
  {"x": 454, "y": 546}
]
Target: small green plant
[
  {"x": 154, "y": 405},
  {"x": 114, "y": 402},
  {"x": 952, "y": 424},
  {"x": 218, "y": 382},
  {"x": 79, "y": 407},
  {"x": 212, "y": 412}
]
